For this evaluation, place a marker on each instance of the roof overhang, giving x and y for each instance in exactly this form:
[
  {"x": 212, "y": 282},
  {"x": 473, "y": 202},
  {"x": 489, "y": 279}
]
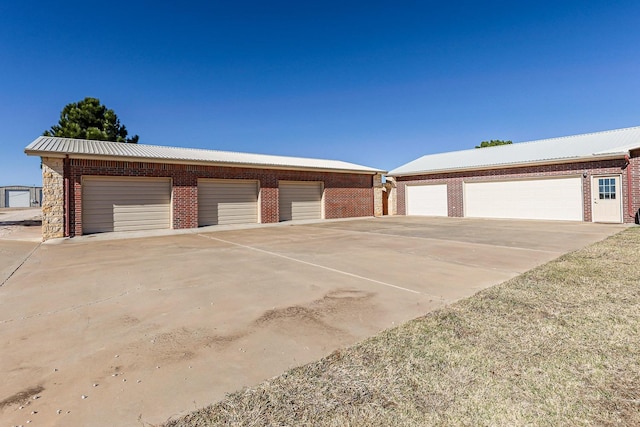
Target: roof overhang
[
  {"x": 62, "y": 155},
  {"x": 592, "y": 158}
]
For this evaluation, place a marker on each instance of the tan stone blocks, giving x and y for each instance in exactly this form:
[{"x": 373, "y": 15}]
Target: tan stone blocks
[{"x": 53, "y": 198}]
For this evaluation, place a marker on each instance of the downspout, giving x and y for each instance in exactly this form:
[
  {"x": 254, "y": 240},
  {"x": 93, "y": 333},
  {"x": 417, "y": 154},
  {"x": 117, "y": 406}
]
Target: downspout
[
  {"x": 65, "y": 171},
  {"x": 629, "y": 187}
]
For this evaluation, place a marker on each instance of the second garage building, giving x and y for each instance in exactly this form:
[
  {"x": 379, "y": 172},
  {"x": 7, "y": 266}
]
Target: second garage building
[
  {"x": 101, "y": 186},
  {"x": 591, "y": 177}
]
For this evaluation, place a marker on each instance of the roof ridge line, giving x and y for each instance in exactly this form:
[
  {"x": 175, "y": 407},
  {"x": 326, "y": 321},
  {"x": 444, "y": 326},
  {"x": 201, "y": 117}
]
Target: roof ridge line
[
  {"x": 579, "y": 134},
  {"x": 197, "y": 149},
  {"x": 535, "y": 141}
]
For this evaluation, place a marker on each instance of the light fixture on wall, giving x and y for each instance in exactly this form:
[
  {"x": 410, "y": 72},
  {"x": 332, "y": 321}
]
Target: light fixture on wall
[{"x": 584, "y": 174}]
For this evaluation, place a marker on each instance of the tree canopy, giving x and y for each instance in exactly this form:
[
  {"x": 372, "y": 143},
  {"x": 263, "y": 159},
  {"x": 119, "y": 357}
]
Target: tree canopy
[
  {"x": 493, "y": 143},
  {"x": 88, "y": 119}
]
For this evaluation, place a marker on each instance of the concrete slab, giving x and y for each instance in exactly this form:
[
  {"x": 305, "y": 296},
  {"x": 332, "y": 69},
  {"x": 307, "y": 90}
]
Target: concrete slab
[
  {"x": 12, "y": 255},
  {"x": 149, "y": 328}
]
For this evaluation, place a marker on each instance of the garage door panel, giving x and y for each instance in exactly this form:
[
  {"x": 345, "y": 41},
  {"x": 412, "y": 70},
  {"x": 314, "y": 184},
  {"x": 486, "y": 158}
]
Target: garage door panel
[
  {"x": 125, "y": 204},
  {"x": 134, "y": 225},
  {"x": 97, "y": 222},
  {"x": 427, "y": 200},
  {"x": 132, "y": 213},
  {"x": 544, "y": 199},
  {"x": 300, "y": 200},
  {"x": 304, "y": 195},
  {"x": 17, "y": 198},
  {"x": 225, "y": 202},
  {"x": 125, "y": 193}
]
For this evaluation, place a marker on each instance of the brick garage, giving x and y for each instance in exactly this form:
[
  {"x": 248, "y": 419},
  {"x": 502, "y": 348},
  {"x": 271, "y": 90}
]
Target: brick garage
[
  {"x": 617, "y": 155},
  {"x": 348, "y": 189}
]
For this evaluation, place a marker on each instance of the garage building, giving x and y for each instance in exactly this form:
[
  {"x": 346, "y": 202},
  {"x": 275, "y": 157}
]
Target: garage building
[
  {"x": 102, "y": 186},
  {"x": 592, "y": 177},
  {"x": 20, "y": 196}
]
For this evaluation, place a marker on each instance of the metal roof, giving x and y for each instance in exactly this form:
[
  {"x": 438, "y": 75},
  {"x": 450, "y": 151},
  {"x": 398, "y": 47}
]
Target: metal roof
[
  {"x": 588, "y": 146},
  {"x": 81, "y": 148}
]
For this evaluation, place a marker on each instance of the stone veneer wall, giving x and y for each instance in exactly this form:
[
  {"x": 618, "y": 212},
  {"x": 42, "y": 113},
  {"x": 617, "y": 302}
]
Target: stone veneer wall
[
  {"x": 53, "y": 198},
  {"x": 390, "y": 185},
  {"x": 377, "y": 195}
]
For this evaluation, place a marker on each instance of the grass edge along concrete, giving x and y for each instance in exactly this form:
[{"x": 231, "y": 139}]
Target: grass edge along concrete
[{"x": 557, "y": 345}]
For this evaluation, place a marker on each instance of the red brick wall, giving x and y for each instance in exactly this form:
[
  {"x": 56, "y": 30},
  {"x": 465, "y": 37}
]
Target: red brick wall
[
  {"x": 345, "y": 194},
  {"x": 634, "y": 170},
  {"x": 455, "y": 182}
]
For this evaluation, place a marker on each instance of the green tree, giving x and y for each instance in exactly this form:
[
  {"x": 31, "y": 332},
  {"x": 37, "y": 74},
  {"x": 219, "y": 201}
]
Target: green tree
[
  {"x": 493, "y": 143},
  {"x": 88, "y": 119}
]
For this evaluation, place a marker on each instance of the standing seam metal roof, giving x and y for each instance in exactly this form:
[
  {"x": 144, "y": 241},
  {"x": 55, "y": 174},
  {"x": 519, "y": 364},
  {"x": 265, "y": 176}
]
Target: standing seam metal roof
[
  {"x": 61, "y": 146},
  {"x": 599, "y": 144}
]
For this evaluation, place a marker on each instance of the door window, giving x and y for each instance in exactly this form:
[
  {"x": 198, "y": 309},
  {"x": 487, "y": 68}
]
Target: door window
[{"x": 606, "y": 188}]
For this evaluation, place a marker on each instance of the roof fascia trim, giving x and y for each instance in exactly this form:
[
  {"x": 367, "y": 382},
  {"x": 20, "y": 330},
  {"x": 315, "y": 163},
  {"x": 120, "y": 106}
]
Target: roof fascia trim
[
  {"x": 196, "y": 162},
  {"x": 593, "y": 158}
]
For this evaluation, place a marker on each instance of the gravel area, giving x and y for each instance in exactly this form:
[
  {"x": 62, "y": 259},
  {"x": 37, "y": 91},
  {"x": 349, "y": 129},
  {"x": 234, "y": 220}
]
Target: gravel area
[{"x": 20, "y": 223}]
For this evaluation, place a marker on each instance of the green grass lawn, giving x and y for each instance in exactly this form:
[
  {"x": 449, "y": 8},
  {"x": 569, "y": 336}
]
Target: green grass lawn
[{"x": 558, "y": 345}]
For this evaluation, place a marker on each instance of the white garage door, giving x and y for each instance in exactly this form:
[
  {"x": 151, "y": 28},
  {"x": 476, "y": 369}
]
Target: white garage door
[
  {"x": 300, "y": 200},
  {"x": 125, "y": 204},
  {"x": 227, "y": 202},
  {"x": 429, "y": 200},
  {"x": 17, "y": 199},
  {"x": 552, "y": 199}
]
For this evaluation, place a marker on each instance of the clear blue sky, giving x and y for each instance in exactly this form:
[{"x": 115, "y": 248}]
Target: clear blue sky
[{"x": 375, "y": 83}]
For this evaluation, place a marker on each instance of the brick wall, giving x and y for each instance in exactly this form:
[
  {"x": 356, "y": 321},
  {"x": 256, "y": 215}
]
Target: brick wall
[
  {"x": 345, "y": 194},
  {"x": 634, "y": 170},
  {"x": 455, "y": 182}
]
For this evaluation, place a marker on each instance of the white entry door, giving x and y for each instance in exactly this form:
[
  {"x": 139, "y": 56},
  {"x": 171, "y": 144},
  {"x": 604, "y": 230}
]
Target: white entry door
[{"x": 606, "y": 198}]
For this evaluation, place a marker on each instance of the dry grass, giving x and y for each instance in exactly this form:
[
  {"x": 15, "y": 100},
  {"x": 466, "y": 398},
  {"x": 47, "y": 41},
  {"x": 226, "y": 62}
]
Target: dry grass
[{"x": 559, "y": 345}]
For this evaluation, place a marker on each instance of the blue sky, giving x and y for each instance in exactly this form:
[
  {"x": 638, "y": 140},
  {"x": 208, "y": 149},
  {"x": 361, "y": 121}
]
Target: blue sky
[{"x": 374, "y": 83}]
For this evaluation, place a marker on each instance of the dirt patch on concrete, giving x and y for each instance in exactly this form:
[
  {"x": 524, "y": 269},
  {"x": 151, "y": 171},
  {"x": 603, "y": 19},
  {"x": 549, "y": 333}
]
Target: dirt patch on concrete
[
  {"x": 220, "y": 341},
  {"x": 22, "y": 397},
  {"x": 286, "y": 313},
  {"x": 331, "y": 303}
]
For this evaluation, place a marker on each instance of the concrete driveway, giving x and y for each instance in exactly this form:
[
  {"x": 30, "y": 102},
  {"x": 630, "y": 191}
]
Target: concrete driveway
[{"x": 128, "y": 332}]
